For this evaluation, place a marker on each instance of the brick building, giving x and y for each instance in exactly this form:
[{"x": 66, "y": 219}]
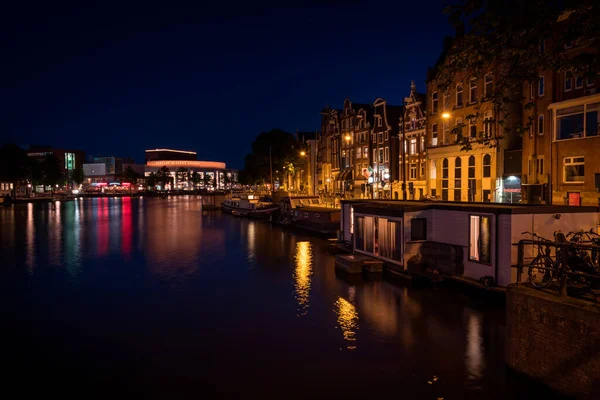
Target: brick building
[
  {"x": 561, "y": 163},
  {"x": 465, "y": 109},
  {"x": 355, "y": 152},
  {"x": 413, "y": 134},
  {"x": 385, "y": 149}
]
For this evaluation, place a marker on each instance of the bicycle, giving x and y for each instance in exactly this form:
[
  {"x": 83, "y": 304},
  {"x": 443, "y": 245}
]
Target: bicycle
[{"x": 542, "y": 265}]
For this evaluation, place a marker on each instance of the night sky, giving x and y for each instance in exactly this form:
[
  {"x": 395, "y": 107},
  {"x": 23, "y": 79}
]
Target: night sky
[{"x": 118, "y": 79}]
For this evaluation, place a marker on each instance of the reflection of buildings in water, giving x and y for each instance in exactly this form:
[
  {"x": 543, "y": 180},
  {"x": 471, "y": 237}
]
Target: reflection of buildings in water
[
  {"x": 175, "y": 238},
  {"x": 474, "y": 360},
  {"x": 126, "y": 230},
  {"x": 72, "y": 235},
  {"x": 54, "y": 225},
  {"x": 347, "y": 318},
  {"x": 30, "y": 236},
  {"x": 302, "y": 275},
  {"x": 378, "y": 304},
  {"x": 251, "y": 235},
  {"x": 102, "y": 225}
]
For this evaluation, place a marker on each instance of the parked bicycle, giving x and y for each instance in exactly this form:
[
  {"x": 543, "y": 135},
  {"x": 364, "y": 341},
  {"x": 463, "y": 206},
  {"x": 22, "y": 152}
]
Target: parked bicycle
[{"x": 541, "y": 268}]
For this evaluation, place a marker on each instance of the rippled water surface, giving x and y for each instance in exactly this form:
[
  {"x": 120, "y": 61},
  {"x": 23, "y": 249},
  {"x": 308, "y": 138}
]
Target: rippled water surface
[{"x": 158, "y": 297}]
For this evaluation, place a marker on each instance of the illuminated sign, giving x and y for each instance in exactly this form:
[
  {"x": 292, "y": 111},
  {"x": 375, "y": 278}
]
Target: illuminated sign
[
  {"x": 126, "y": 184},
  {"x": 173, "y": 151},
  {"x": 187, "y": 164}
]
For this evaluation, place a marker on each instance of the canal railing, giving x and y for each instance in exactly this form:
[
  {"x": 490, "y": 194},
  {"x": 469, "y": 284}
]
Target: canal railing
[{"x": 563, "y": 256}]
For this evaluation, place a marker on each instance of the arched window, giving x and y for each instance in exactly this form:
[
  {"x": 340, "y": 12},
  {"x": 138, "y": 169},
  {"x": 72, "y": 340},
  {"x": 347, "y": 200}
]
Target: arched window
[
  {"x": 445, "y": 179},
  {"x": 471, "y": 176},
  {"x": 487, "y": 166},
  {"x": 457, "y": 178}
]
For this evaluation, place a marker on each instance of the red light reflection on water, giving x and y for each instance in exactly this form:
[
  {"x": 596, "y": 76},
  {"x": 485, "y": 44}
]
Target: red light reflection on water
[
  {"x": 102, "y": 227},
  {"x": 126, "y": 231}
]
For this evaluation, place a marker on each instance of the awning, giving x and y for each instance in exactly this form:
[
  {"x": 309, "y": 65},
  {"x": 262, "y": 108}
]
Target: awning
[{"x": 344, "y": 175}]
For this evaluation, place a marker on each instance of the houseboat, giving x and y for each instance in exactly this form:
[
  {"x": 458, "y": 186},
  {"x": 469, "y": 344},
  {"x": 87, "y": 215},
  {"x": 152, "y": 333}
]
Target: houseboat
[
  {"x": 310, "y": 214},
  {"x": 469, "y": 241},
  {"x": 250, "y": 206}
]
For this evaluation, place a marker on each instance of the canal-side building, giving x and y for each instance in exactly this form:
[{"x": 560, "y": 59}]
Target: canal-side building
[
  {"x": 354, "y": 149},
  {"x": 561, "y": 162},
  {"x": 464, "y": 110},
  {"x": 68, "y": 159},
  {"x": 306, "y": 174},
  {"x": 328, "y": 157},
  {"x": 385, "y": 150},
  {"x": 181, "y": 166},
  {"x": 413, "y": 155}
]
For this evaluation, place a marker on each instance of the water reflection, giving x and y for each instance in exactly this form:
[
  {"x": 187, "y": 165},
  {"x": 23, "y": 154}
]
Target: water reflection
[
  {"x": 347, "y": 319},
  {"x": 30, "y": 238},
  {"x": 126, "y": 231},
  {"x": 474, "y": 352},
  {"x": 251, "y": 235},
  {"x": 302, "y": 275}
]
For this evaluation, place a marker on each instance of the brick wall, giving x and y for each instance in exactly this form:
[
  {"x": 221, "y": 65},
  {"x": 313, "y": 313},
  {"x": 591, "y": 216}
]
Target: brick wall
[{"x": 556, "y": 341}]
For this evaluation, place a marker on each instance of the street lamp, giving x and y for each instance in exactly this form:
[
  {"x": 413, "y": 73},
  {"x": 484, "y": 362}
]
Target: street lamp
[
  {"x": 302, "y": 153},
  {"x": 446, "y": 115},
  {"x": 347, "y": 137}
]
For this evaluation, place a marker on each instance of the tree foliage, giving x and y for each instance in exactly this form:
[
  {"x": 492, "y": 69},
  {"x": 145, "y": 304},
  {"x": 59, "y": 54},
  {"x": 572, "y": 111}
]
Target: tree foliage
[
  {"x": 152, "y": 180},
  {"x": 516, "y": 40},
  {"x": 284, "y": 150},
  {"x": 130, "y": 175},
  {"x": 15, "y": 166},
  {"x": 77, "y": 175},
  {"x": 52, "y": 171},
  {"x": 163, "y": 176}
]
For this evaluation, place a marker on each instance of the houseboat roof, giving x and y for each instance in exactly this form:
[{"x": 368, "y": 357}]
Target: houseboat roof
[
  {"x": 398, "y": 207},
  {"x": 319, "y": 209}
]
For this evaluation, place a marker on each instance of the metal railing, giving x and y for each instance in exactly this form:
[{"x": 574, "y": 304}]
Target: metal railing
[{"x": 563, "y": 269}]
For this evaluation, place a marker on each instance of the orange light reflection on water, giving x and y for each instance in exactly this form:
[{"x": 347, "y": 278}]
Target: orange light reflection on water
[
  {"x": 302, "y": 275},
  {"x": 347, "y": 318}
]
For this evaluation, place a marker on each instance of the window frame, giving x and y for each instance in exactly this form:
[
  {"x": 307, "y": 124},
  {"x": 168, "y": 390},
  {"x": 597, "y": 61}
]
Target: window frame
[
  {"x": 568, "y": 78},
  {"x": 492, "y": 247},
  {"x": 573, "y": 163},
  {"x": 434, "y": 102},
  {"x": 472, "y": 89},
  {"x": 487, "y": 93},
  {"x": 422, "y": 238},
  {"x": 461, "y": 92},
  {"x": 540, "y": 122},
  {"x": 541, "y": 85}
]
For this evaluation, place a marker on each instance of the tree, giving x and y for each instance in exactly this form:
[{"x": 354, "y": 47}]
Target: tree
[
  {"x": 130, "y": 175},
  {"x": 163, "y": 176},
  {"x": 226, "y": 179},
  {"x": 52, "y": 171},
  {"x": 195, "y": 178},
  {"x": 15, "y": 166},
  {"x": 152, "y": 180},
  {"x": 283, "y": 148},
  {"x": 516, "y": 40},
  {"x": 77, "y": 175}
]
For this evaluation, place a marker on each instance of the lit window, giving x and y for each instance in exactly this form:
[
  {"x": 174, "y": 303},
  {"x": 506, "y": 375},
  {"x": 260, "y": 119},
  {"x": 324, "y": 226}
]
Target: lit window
[
  {"x": 574, "y": 169},
  {"x": 413, "y": 146},
  {"x": 387, "y": 154},
  {"x": 541, "y": 86},
  {"x": 423, "y": 143},
  {"x": 365, "y": 152},
  {"x": 434, "y": 134},
  {"x": 540, "y": 125},
  {"x": 422, "y": 169},
  {"x": 358, "y": 152},
  {"x": 480, "y": 239},
  {"x": 380, "y": 155},
  {"x": 540, "y": 165},
  {"x": 459, "y": 95},
  {"x": 434, "y": 102}
]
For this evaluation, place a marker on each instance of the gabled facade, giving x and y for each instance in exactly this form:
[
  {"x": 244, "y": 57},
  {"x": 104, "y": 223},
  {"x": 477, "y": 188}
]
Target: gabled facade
[
  {"x": 328, "y": 157},
  {"x": 413, "y": 154},
  {"x": 385, "y": 150},
  {"x": 478, "y": 174},
  {"x": 561, "y": 151}
]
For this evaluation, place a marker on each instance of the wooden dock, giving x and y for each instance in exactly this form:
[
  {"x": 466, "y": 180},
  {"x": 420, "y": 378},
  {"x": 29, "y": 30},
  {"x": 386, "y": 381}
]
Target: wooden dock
[{"x": 358, "y": 263}]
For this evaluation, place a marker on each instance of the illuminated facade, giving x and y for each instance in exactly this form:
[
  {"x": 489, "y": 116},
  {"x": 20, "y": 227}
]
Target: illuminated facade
[
  {"x": 183, "y": 167},
  {"x": 69, "y": 159}
]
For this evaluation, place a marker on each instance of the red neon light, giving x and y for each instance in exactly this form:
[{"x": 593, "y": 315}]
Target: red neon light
[
  {"x": 126, "y": 184},
  {"x": 102, "y": 184}
]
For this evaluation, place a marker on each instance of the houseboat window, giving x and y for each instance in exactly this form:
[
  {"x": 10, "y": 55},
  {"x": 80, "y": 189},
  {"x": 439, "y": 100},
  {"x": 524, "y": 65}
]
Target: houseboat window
[
  {"x": 369, "y": 231},
  {"x": 418, "y": 229},
  {"x": 388, "y": 239},
  {"x": 360, "y": 233},
  {"x": 480, "y": 239}
]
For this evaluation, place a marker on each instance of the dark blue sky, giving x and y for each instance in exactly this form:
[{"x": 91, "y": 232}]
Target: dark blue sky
[{"x": 117, "y": 79}]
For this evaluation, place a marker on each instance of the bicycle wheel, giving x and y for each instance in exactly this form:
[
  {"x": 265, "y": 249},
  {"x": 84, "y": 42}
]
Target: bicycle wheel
[{"x": 541, "y": 271}]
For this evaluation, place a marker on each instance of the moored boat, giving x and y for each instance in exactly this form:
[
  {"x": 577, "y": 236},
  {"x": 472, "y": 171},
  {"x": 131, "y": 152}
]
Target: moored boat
[{"x": 250, "y": 206}]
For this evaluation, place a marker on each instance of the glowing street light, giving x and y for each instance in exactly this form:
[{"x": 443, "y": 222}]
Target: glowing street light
[
  {"x": 347, "y": 138},
  {"x": 446, "y": 115},
  {"x": 302, "y": 153}
]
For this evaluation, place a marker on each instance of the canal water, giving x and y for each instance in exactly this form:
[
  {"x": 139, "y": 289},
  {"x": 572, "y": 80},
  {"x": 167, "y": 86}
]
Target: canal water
[{"x": 156, "y": 297}]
